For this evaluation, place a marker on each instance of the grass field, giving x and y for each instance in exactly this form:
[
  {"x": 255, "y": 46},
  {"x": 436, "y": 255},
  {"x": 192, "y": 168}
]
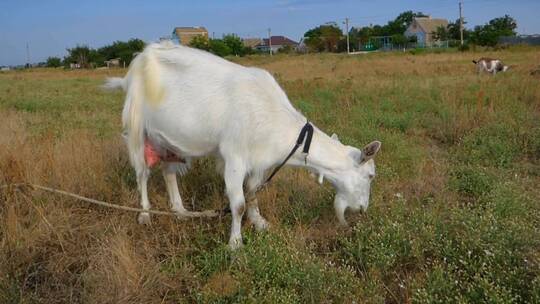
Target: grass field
[{"x": 454, "y": 215}]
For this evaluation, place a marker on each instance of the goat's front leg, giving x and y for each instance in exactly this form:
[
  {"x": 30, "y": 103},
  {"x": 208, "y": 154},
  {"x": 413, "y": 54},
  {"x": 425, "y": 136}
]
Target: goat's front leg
[
  {"x": 253, "y": 213},
  {"x": 234, "y": 178}
]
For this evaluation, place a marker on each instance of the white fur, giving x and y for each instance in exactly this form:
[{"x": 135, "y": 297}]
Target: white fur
[{"x": 194, "y": 104}]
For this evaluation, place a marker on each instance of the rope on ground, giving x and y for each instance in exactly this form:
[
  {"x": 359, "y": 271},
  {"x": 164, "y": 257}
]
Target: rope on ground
[{"x": 207, "y": 213}]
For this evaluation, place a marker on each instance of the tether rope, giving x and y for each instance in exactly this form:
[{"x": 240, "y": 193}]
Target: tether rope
[{"x": 207, "y": 213}]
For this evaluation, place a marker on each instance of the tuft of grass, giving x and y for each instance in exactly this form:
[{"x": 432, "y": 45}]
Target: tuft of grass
[{"x": 270, "y": 269}]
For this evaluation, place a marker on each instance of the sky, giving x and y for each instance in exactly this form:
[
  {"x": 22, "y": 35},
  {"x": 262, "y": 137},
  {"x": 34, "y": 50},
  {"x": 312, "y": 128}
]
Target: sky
[{"x": 48, "y": 27}]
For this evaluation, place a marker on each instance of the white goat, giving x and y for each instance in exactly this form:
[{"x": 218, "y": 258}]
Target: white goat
[{"x": 193, "y": 103}]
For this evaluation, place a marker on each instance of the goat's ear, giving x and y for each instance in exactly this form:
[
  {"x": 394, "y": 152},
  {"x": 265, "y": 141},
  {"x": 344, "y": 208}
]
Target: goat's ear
[
  {"x": 369, "y": 151},
  {"x": 334, "y": 137}
]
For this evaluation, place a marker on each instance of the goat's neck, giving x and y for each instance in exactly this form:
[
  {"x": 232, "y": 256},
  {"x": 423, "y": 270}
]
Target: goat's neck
[{"x": 326, "y": 156}]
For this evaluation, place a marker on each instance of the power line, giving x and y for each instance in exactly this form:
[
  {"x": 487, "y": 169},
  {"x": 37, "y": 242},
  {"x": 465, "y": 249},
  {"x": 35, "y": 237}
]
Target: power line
[
  {"x": 270, "y": 40},
  {"x": 27, "y": 55},
  {"x": 461, "y": 21},
  {"x": 347, "y": 29}
]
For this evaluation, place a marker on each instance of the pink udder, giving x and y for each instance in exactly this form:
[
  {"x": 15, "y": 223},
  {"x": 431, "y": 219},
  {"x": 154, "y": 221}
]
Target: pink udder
[
  {"x": 152, "y": 157},
  {"x": 150, "y": 154}
]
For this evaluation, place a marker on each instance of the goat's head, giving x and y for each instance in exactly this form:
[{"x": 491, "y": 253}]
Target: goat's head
[{"x": 354, "y": 184}]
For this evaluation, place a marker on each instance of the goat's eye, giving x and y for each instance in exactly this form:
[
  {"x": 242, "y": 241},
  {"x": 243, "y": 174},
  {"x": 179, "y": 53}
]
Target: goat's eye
[{"x": 371, "y": 176}]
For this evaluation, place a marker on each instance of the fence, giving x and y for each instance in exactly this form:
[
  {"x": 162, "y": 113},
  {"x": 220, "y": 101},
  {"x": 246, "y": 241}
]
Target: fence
[
  {"x": 388, "y": 45},
  {"x": 522, "y": 39}
]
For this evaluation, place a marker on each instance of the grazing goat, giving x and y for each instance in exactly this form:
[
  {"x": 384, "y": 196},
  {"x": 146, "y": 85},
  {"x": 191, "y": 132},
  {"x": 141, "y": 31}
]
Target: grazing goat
[
  {"x": 189, "y": 103},
  {"x": 489, "y": 65}
]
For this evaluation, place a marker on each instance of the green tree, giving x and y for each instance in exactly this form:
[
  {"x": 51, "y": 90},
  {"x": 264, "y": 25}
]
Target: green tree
[
  {"x": 400, "y": 24},
  {"x": 454, "y": 31},
  {"x": 399, "y": 40},
  {"x": 394, "y": 28},
  {"x": 235, "y": 44},
  {"x": 504, "y": 26},
  {"x": 53, "y": 62},
  {"x": 79, "y": 54},
  {"x": 218, "y": 47},
  {"x": 441, "y": 33},
  {"x": 324, "y": 38},
  {"x": 200, "y": 42},
  {"x": 490, "y": 33},
  {"x": 119, "y": 49}
]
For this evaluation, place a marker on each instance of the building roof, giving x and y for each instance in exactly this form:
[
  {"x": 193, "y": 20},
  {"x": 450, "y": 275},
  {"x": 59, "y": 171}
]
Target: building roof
[
  {"x": 186, "y": 34},
  {"x": 279, "y": 40},
  {"x": 430, "y": 25},
  {"x": 252, "y": 42},
  {"x": 190, "y": 29}
]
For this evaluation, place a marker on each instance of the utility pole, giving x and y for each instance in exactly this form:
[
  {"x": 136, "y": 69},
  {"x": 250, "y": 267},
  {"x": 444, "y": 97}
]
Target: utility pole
[
  {"x": 347, "y": 29},
  {"x": 461, "y": 20},
  {"x": 27, "y": 55},
  {"x": 270, "y": 41}
]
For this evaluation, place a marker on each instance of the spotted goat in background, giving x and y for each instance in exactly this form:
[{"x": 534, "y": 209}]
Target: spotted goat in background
[{"x": 488, "y": 65}]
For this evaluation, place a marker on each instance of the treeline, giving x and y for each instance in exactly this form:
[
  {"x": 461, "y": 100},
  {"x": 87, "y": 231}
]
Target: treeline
[
  {"x": 85, "y": 57},
  {"x": 229, "y": 44},
  {"x": 329, "y": 37}
]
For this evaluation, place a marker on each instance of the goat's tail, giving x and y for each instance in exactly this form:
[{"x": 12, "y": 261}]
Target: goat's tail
[
  {"x": 113, "y": 83},
  {"x": 474, "y": 61},
  {"x": 144, "y": 89},
  {"x": 132, "y": 115}
]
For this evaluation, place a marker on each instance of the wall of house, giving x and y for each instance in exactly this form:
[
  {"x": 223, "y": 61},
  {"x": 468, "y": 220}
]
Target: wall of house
[
  {"x": 185, "y": 37},
  {"x": 415, "y": 30},
  {"x": 264, "y": 48},
  {"x": 420, "y": 35}
]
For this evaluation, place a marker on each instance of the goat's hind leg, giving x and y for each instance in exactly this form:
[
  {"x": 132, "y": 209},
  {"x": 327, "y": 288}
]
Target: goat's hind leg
[
  {"x": 142, "y": 181},
  {"x": 169, "y": 170}
]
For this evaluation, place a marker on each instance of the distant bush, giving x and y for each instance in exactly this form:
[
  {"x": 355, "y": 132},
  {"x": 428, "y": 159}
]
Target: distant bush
[
  {"x": 286, "y": 49},
  {"x": 53, "y": 62},
  {"x": 417, "y": 51},
  {"x": 464, "y": 48},
  {"x": 230, "y": 44},
  {"x": 87, "y": 57},
  {"x": 489, "y": 34}
]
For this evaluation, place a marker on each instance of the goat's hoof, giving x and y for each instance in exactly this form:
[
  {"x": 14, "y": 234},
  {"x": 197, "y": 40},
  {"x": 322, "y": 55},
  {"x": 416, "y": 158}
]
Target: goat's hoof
[
  {"x": 261, "y": 225},
  {"x": 181, "y": 214},
  {"x": 343, "y": 224},
  {"x": 235, "y": 243},
  {"x": 144, "y": 218}
]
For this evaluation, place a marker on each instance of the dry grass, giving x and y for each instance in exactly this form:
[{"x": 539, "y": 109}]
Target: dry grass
[{"x": 430, "y": 110}]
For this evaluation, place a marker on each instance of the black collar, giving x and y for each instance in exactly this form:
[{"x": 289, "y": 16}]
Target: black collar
[{"x": 305, "y": 136}]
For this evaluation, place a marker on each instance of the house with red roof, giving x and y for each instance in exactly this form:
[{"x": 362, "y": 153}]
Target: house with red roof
[{"x": 276, "y": 43}]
